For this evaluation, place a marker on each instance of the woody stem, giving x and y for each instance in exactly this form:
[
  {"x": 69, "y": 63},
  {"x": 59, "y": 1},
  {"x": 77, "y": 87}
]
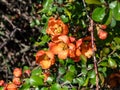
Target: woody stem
[{"x": 94, "y": 58}]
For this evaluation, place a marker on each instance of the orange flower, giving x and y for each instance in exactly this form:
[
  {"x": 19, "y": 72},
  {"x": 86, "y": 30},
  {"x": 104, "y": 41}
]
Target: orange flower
[
  {"x": 59, "y": 46},
  {"x": 16, "y": 81},
  {"x": 2, "y": 82},
  {"x": 45, "y": 59},
  {"x": 60, "y": 49},
  {"x": 72, "y": 50},
  {"x": 17, "y": 72},
  {"x": 59, "y": 38},
  {"x": 84, "y": 47},
  {"x": 56, "y": 27},
  {"x": 11, "y": 86}
]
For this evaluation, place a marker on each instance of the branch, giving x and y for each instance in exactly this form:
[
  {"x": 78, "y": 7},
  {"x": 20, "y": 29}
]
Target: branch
[
  {"x": 91, "y": 30},
  {"x": 94, "y": 58},
  {"x": 11, "y": 34}
]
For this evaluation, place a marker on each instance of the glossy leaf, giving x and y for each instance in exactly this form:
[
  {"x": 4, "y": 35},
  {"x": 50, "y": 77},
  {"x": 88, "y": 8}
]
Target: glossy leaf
[
  {"x": 103, "y": 63},
  {"x": 80, "y": 81},
  {"x": 64, "y": 18},
  {"x": 91, "y": 74},
  {"x": 36, "y": 80},
  {"x": 61, "y": 70},
  {"x": 55, "y": 86},
  {"x": 47, "y": 4},
  {"x": 50, "y": 80},
  {"x": 113, "y": 4},
  {"x": 93, "y": 81},
  {"x": 86, "y": 81},
  {"x": 112, "y": 63},
  {"x": 44, "y": 88},
  {"x": 116, "y": 11},
  {"x": 36, "y": 71},
  {"x": 109, "y": 18},
  {"x": 68, "y": 76},
  {"x": 93, "y": 2},
  {"x": 25, "y": 85},
  {"x": 98, "y": 14}
]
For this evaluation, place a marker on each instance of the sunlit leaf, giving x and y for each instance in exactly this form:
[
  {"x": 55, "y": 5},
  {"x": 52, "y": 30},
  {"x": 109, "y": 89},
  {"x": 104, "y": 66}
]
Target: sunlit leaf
[
  {"x": 47, "y": 4},
  {"x": 80, "y": 81},
  {"x": 91, "y": 74},
  {"x": 93, "y": 2},
  {"x": 113, "y": 4},
  {"x": 86, "y": 81},
  {"x": 112, "y": 63},
  {"x": 116, "y": 11},
  {"x": 35, "y": 80},
  {"x": 64, "y": 18},
  {"x": 44, "y": 88},
  {"x": 36, "y": 71},
  {"x": 50, "y": 80},
  {"x": 55, "y": 86},
  {"x": 98, "y": 14},
  {"x": 103, "y": 63}
]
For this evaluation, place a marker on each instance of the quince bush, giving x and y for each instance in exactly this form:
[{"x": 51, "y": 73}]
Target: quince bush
[{"x": 68, "y": 56}]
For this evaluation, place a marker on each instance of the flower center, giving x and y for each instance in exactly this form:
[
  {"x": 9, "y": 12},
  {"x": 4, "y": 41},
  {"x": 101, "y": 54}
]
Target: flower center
[{"x": 58, "y": 29}]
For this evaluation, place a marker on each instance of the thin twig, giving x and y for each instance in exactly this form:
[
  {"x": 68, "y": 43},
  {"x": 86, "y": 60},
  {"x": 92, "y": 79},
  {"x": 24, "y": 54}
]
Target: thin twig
[
  {"x": 11, "y": 34},
  {"x": 94, "y": 58},
  {"x": 91, "y": 29}
]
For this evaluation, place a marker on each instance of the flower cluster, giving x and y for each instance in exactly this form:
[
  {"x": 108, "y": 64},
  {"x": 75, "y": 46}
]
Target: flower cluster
[
  {"x": 62, "y": 45},
  {"x": 16, "y": 81}
]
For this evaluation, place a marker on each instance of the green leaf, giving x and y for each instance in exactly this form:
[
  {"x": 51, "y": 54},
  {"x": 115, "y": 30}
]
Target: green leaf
[
  {"x": 68, "y": 76},
  {"x": 36, "y": 71},
  {"x": 37, "y": 22},
  {"x": 113, "y": 4},
  {"x": 64, "y": 88},
  {"x": 93, "y": 2},
  {"x": 55, "y": 86},
  {"x": 80, "y": 81},
  {"x": 117, "y": 40},
  {"x": 26, "y": 68},
  {"x": 36, "y": 80},
  {"x": 61, "y": 70},
  {"x": 83, "y": 59},
  {"x": 64, "y": 18},
  {"x": 90, "y": 66},
  {"x": 72, "y": 68},
  {"x": 86, "y": 81},
  {"x": 50, "y": 80},
  {"x": 109, "y": 18},
  {"x": 91, "y": 74},
  {"x": 84, "y": 71},
  {"x": 47, "y": 5},
  {"x": 93, "y": 81},
  {"x": 1, "y": 88},
  {"x": 68, "y": 13},
  {"x": 101, "y": 76},
  {"x": 32, "y": 24},
  {"x": 25, "y": 85},
  {"x": 44, "y": 88},
  {"x": 113, "y": 23},
  {"x": 98, "y": 14},
  {"x": 103, "y": 63},
  {"x": 112, "y": 63},
  {"x": 116, "y": 12}
]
